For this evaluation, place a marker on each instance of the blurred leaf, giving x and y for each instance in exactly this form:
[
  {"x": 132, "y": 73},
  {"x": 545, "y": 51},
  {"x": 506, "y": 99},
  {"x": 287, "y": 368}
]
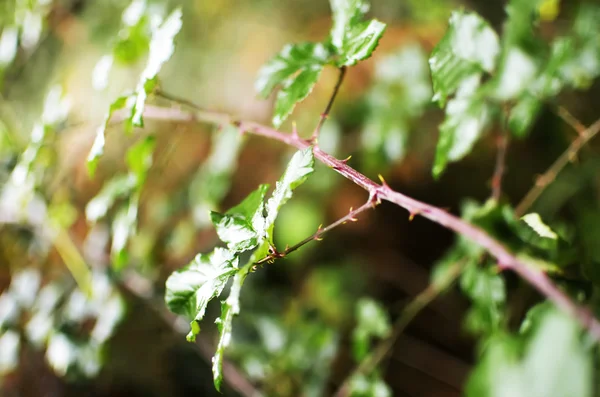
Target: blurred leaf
[
  {"x": 10, "y": 344},
  {"x": 161, "y": 48},
  {"x": 554, "y": 363},
  {"x": 133, "y": 42},
  {"x": 189, "y": 290},
  {"x": 229, "y": 308},
  {"x": 467, "y": 117},
  {"x": 123, "y": 227},
  {"x": 372, "y": 321},
  {"x": 97, "y": 149},
  {"x": 118, "y": 187},
  {"x": 468, "y": 48},
  {"x": 399, "y": 95},
  {"x": 549, "y": 9},
  {"x": 296, "y": 68},
  {"x": 298, "y": 169},
  {"x": 353, "y": 38},
  {"x": 242, "y": 226},
  {"x": 523, "y": 115},
  {"x": 369, "y": 386},
  {"x": 487, "y": 291},
  {"x": 534, "y": 221},
  {"x": 139, "y": 158}
]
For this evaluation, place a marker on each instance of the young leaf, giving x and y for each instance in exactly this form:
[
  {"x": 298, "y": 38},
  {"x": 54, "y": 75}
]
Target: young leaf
[
  {"x": 299, "y": 168},
  {"x": 469, "y": 47},
  {"x": 535, "y": 222},
  {"x": 243, "y": 225},
  {"x": 353, "y": 38},
  {"x": 161, "y": 49},
  {"x": 229, "y": 308},
  {"x": 98, "y": 147},
  {"x": 296, "y": 68},
  {"x": 189, "y": 290},
  {"x": 139, "y": 158}
]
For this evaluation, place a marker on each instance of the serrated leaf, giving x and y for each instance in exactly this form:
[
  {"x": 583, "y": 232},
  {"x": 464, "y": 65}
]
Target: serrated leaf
[
  {"x": 162, "y": 47},
  {"x": 296, "y": 68},
  {"x": 229, "y": 308},
  {"x": 534, "y": 221},
  {"x": 299, "y": 168},
  {"x": 118, "y": 187},
  {"x": 97, "y": 149},
  {"x": 353, "y": 38},
  {"x": 469, "y": 47},
  {"x": 189, "y": 290},
  {"x": 242, "y": 226},
  {"x": 295, "y": 90},
  {"x": 372, "y": 321}
]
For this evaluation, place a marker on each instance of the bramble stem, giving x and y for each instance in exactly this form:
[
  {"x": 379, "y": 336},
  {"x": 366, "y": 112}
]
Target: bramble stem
[
  {"x": 505, "y": 259},
  {"x": 550, "y": 175},
  {"x": 408, "y": 314},
  {"x": 338, "y": 84},
  {"x": 349, "y": 217},
  {"x": 500, "y": 165}
]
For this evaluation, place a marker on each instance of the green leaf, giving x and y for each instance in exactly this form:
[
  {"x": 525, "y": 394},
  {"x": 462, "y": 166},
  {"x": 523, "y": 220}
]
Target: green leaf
[
  {"x": 229, "y": 308},
  {"x": 554, "y": 362},
  {"x": 295, "y": 90},
  {"x": 488, "y": 293},
  {"x": 97, "y": 149},
  {"x": 523, "y": 115},
  {"x": 243, "y": 225},
  {"x": 161, "y": 49},
  {"x": 139, "y": 158},
  {"x": 369, "y": 386},
  {"x": 189, "y": 290},
  {"x": 372, "y": 321},
  {"x": 534, "y": 221},
  {"x": 296, "y": 68},
  {"x": 469, "y": 48},
  {"x": 299, "y": 168},
  {"x": 118, "y": 187},
  {"x": 467, "y": 117},
  {"x": 123, "y": 227},
  {"x": 353, "y": 38}
]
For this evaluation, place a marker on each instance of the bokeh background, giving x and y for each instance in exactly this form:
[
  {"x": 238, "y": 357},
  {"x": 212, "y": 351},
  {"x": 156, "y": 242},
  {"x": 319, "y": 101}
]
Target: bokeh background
[{"x": 292, "y": 337}]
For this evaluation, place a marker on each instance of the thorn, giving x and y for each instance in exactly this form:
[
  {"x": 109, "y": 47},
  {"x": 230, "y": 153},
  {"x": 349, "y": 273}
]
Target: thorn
[
  {"x": 383, "y": 182},
  {"x": 353, "y": 219},
  {"x": 318, "y": 238},
  {"x": 412, "y": 215},
  {"x": 346, "y": 159},
  {"x": 351, "y": 209},
  {"x": 254, "y": 268}
]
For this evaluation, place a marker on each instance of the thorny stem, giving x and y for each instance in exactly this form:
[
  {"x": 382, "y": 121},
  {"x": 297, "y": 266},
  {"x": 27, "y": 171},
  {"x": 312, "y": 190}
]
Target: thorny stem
[
  {"x": 505, "y": 259},
  {"x": 318, "y": 235},
  {"x": 548, "y": 177},
  {"x": 568, "y": 118},
  {"x": 408, "y": 314},
  {"x": 315, "y": 134}
]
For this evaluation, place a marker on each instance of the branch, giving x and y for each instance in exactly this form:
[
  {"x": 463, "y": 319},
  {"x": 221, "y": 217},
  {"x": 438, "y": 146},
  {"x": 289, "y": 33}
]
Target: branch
[
  {"x": 408, "y": 314},
  {"x": 502, "y": 142},
  {"x": 315, "y": 134},
  {"x": 550, "y": 175},
  {"x": 349, "y": 217},
  {"x": 505, "y": 259}
]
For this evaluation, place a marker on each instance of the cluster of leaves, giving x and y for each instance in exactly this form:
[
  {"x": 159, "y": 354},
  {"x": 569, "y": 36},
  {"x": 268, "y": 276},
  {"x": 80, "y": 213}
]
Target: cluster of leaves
[
  {"x": 71, "y": 327},
  {"x": 477, "y": 75},
  {"x": 247, "y": 226},
  {"x": 297, "y": 67}
]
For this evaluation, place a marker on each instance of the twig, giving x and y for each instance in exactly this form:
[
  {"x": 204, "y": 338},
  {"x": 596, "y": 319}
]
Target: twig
[
  {"x": 550, "y": 175},
  {"x": 315, "y": 134},
  {"x": 505, "y": 259},
  {"x": 502, "y": 142},
  {"x": 568, "y": 118},
  {"x": 408, "y": 314},
  {"x": 317, "y": 236}
]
